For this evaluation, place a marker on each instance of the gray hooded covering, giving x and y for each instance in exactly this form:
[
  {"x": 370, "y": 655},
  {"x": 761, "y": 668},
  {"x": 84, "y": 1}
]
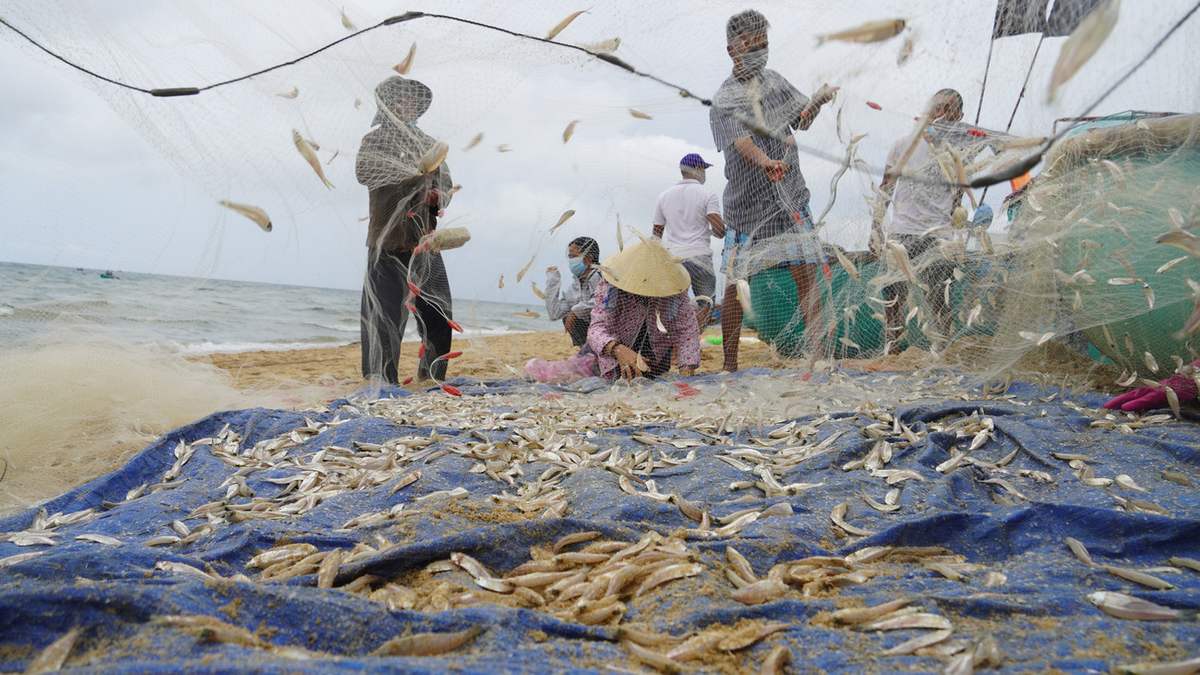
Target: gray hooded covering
[{"x": 390, "y": 153}]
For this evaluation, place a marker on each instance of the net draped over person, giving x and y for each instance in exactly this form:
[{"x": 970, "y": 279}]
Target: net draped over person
[
  {"x": 404, "y": 205},
  {"x": 643, "y": 310}
]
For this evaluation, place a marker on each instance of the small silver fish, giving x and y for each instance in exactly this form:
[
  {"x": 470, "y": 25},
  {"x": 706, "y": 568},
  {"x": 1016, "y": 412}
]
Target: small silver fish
[
  {"x": 561, "y": 25},
  {"x": 290, "y": 94},
  {"x": 254, "y": 213},
  {"x": 566, "y": 215},
  {"x": 872, "y": 31},
  {"x": 475, "y": 140},
  {"x": 569, "y": 131},
  {"x": 1084, "y": 42},
  {"x": 310, "y": 156},
  {"x": 404, "y": 66},
  {"x": 638, "y": 114}
]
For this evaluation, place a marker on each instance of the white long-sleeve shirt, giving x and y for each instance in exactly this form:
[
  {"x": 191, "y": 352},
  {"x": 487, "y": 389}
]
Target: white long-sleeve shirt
[{"x": 578, "y": 297}]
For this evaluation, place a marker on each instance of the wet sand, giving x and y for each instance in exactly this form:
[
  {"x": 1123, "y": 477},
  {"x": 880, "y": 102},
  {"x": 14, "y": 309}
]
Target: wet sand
[{"x": 491, "y": 357}]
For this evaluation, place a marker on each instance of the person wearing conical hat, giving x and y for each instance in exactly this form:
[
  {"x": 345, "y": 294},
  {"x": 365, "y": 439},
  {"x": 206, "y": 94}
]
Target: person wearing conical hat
[{"x": 643, "y": 316}]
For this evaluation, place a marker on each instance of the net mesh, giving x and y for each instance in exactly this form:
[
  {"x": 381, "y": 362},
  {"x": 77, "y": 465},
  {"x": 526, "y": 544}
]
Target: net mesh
[{"x": 549, "y": 143}]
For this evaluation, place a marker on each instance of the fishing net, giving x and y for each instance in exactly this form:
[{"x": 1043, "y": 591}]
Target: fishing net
[{"x": 437, "y": 160}]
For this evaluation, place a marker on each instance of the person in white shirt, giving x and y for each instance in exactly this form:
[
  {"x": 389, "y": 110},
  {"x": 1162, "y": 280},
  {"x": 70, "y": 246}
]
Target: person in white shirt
[
  {"x": 922, "y": 205},
  {"x": 573, "y": 303},
  {"x": 686, "y": 216}
]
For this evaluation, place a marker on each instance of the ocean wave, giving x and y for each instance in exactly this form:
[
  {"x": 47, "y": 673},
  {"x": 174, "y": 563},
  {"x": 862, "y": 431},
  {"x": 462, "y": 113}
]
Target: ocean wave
[
  {"x": 208, "y": 347},
  {"x": 340, "y": 326},
  {"x": 5, "y": 310}
]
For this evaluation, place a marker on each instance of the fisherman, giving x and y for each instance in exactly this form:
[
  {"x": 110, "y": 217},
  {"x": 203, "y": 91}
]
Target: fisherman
[
  {"x": 753, "y": 117},
  {"x": 573, "y": 304},
  {"x": 685, "y": 217},
  {"x": 404, "y": 205},
  {"x": 643, "y": 317},
  {"x": 922, "y": 205}
]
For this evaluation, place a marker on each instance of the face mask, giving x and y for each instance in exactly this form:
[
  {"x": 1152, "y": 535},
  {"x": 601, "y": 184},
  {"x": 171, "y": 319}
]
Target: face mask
[
  {"x": 577, "y": 266},
  {"x": 753, "y": 62}
]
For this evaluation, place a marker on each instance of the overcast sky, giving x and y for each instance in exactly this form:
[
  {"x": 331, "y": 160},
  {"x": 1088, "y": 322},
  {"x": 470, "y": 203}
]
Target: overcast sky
[{"x": 94, "y": 176}]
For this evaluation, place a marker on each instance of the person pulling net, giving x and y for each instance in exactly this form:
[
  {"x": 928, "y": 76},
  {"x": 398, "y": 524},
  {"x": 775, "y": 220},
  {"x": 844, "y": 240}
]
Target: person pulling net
[{"x": 408, "y": 186}]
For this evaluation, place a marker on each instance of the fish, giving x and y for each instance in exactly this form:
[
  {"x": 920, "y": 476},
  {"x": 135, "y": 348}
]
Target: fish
[
  {"x": 1181, "y": 239},
  {"x": 776, "y": 661},
  {"x": 500, "y": 282},
  {"x": 838, "y": 516},
  {"x": 759, "y": 592},
  {"x": 846, "y": 263},
  {"x": 1151, "y": 363},
  {"x": 856, "y": 615},
  {"x": 604, "y": 46},
  {"x": 1170, "y": 264},
  {"x": 427, "y": 644},
  {"x": 1080, "y": 551},
  {"x": 566, "y": 215},
  {"x": 357, "y": 103},
  {"x": 295, "y": 91},
  {"x": 521, "y": 272},
  {"x": 346, "y": 22},
  {"x": 906, "y": 50},
  {"x": 1126, "y": 481},
  {"x": 910, "y": 622},
  {"x": 1122, "y": 281},
  {"x": 310, "y": 156},
  {"x": 871, "y": 31},
  {"x": 1084, "y": 42},
  {"x": 536, "y": 291},
  {"x": 404, "y": 66},
  {"x": 1188, "y": 563},
  {"x": 561, "y": 25},
  {"x": 52, "y": 658},
  {"x": 638, "y": 114},
  {"x": 1038, "y": 339},
  {"x": 920, "y": 642},
  {"x": 569, "y": 131},
  {"x": 328, "y": 569},
  {"x": 503, "y": 147},
  {"x": 1148, "y": 293},
  {"x": 1137, "y": 577},
  {"x": 574, "y": 538},
  {"x": 659, "y": 661},
  {"x": 1176, "y": 217},
  {"x": 620, "y": 235},
  {"x": 739, "y": 564},
  {"x": 98, "y": 539},
  {"x": 658, "y": 323},
  {"x": 475, "y": 140},
  {"x": 254, "y": 213},
  {"x": 1125, "y": 606},
  {"x": 750, "y": 635}
]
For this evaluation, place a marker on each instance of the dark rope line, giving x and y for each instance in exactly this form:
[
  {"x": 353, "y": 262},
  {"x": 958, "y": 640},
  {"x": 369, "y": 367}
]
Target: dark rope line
[{"x": 76, "y": 66}]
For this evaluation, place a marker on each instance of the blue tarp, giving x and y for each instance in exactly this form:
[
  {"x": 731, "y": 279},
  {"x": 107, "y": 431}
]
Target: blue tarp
[{"x": 1040, "y": 617}]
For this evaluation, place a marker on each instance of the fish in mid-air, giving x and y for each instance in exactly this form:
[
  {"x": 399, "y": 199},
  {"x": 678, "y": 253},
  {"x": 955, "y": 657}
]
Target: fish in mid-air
[
  {"x": 871, "y": 31},
  {"x": 1083, "y": 44},
  {"x": 561, "y": 25},
  {"x": 310, "y": 156},
  {"x": 290, "y": 94},
  {"x": 346, "y": 22},
  {"x": 254, "y": 213},
  {"x": 566, "y": 215},
  {"x": 406, "y": 65}
]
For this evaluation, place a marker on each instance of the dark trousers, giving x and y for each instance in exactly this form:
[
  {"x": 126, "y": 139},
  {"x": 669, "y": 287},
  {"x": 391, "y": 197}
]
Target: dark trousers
[
  {"x": 383, "y": 315},
  {"x": 578, "y": 332}
]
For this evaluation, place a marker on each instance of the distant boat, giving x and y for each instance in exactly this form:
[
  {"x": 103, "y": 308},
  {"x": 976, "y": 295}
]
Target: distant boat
[{"x": 108, "y": 274}]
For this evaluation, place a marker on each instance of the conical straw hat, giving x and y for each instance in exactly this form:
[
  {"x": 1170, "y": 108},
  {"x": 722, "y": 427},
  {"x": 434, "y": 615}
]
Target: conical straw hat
[{"x": 646, "y": 268}]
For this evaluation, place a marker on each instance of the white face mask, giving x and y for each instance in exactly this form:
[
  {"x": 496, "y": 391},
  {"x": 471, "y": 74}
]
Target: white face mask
[{"x": 753, "y": 62}]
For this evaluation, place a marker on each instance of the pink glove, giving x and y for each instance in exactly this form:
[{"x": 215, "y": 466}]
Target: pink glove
[{"x": 1149, "y": 398}]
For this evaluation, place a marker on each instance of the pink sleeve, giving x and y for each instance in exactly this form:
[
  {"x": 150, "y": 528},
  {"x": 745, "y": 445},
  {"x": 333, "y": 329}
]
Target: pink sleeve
[
  {"x": 599, "y": 332},
  {"x": 685, "y": 333}
]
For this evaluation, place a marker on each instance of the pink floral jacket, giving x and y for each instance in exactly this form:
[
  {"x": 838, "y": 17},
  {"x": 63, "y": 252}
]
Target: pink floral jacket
[{"x": 620, "y": 316}]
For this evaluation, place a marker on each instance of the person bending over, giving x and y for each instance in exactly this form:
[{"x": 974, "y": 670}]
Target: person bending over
[{"x": 643, "y": 316}]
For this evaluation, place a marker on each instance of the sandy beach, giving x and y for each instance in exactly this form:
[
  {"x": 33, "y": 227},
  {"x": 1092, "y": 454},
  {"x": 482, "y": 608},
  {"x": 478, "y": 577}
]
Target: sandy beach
[{"x": 489, "y": 358}]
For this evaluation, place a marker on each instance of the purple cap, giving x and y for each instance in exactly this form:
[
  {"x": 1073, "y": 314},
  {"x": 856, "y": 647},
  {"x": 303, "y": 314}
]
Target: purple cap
[{"x": 694, "y": 161}]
